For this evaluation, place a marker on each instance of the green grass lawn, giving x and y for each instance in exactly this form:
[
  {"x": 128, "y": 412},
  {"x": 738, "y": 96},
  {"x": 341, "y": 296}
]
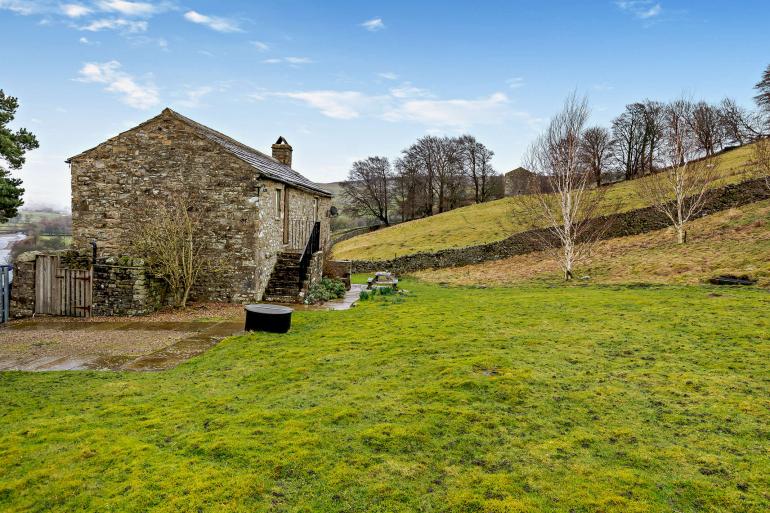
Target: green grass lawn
[
  {"x": 569, "y": 399},
  {"x": 496, "y": 220}
]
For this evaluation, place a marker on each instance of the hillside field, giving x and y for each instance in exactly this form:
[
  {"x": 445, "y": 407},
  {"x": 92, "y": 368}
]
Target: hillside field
[
  {"x": 496, "y": 220},
  {"x": 735, "y": 241},
  {"x": 530, "y": 399}
]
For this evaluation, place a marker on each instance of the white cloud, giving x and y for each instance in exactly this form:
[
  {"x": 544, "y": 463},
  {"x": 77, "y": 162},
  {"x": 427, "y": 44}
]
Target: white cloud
[
  {"x": 259, "y": 45},
  {"x": 602, "y": 87},
  {"x": 652, "y": 11},
  {"x": 122, "y": 24},
  {"x": 451, "y": 113},
  {"x": 515, "y": 82},
  {"x": 388, "y": 75},
  {"x": 399, "y": 107},
  {"x": 23, "y": 7},
  {"x": 294, "y": 61},
  {"x": 127, "y": 8},
  {"x": 373, "y": 25},
  {"x": 298, "y": 60},
  {"x": 335, "y": 104},
  {"x": 84, "y": 41},
  {"x": 140, "y": 96},
  {"x": 212, "y": 22},
  {"x": 642, "y": 9},
  {"x": 75, "y": 10},
  {"x": 407, "y": 90},
  {"x": 193, "y": 97}
]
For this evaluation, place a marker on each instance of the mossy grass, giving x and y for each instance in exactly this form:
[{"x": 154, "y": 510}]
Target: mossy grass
[{"x": 540, "y": 398}]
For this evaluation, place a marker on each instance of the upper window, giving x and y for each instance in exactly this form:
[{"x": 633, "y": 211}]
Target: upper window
[{"x": 278, "y": 203}]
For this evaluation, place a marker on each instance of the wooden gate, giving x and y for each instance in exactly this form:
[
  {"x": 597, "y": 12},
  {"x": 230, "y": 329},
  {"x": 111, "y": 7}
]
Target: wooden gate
[{"x": 60, "y": 290}]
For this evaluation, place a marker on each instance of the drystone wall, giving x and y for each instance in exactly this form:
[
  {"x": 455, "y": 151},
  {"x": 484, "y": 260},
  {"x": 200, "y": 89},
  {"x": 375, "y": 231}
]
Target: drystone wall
[
  {"x": 121, "y": 286},
  {"x": 622, "y": 224}
]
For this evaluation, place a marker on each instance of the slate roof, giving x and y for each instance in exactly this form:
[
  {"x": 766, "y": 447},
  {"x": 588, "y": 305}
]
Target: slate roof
[{"x": 264, "y": 164}]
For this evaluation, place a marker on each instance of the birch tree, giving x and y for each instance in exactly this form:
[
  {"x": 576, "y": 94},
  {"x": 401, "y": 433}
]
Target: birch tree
[
  {"x": 679, "y": 191},
  {"x": 762, "y": 159},
  {"x": 571, "y": 215}
]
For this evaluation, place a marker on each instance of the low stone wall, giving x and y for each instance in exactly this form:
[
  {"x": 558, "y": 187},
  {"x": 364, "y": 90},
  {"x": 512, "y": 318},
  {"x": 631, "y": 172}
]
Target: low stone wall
[
  {"x": 623, "y": 224},
  {"x": 22, "y": 302},
  {"x": 121, "y": 286},
  {"x": 353, "y": 232},
  {"x": 124, "y": 287},
  {"x": 339, "y": 269}
]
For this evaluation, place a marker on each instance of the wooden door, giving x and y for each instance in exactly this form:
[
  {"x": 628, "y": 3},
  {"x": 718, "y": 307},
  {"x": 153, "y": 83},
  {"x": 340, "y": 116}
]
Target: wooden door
[
  {"x": 62, "y": 291},
  {"x": 46, "y": 285}
]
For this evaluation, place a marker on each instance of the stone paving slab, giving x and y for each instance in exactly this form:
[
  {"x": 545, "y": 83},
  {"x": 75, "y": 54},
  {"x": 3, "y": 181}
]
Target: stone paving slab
[
  {"x": 53, "y": 344},
  {"x": 56, "y": 351}
]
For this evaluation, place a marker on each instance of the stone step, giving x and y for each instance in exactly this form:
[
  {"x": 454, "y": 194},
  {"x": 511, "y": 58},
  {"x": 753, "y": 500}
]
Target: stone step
[
  {"x": 282, "y": 290},
  {"x": 281, "y": 299}
]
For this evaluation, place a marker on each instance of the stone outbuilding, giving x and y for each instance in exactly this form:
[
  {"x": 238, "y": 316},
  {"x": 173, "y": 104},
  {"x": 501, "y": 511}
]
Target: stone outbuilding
[
  {"x": 259, "y": 213},
  {"x": 523, "y": 181}
]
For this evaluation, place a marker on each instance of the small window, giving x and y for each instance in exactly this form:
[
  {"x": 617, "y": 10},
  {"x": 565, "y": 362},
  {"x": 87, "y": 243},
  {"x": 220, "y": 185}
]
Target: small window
[
  {"x": 278, "y": 203},
  {"x": 315, "y": 209}
]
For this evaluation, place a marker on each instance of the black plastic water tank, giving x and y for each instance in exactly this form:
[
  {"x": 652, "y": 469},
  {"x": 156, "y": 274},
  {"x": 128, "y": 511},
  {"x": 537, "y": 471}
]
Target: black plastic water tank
[{"x": 272, "y": 318}]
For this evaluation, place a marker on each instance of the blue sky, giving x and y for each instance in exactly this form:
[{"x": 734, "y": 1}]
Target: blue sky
[{"x": 345, "y": 80}]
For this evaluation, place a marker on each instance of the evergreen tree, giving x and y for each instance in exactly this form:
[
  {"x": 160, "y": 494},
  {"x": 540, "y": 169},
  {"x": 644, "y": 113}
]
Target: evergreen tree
[
  {"x": 763, "y": 98},
  {"x": 13, "y": 146}
]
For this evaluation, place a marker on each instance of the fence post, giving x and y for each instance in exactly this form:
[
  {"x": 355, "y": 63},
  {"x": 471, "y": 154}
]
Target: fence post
[{"x": 6, "y": 284}]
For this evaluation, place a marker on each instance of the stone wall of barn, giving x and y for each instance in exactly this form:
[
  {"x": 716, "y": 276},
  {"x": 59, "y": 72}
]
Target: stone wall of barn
[{"x": 116, "y": 185}]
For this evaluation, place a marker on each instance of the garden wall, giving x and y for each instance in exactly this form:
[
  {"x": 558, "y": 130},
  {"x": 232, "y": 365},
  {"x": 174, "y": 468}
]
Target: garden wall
[
  {"x": 623, "y": 224},
  {"x": 121, "y": 286}
]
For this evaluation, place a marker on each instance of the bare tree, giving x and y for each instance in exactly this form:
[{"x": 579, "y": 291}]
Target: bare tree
[
  {"x": 739, "y": 125},
  {"x": 705, "y": 123},
  {"x": 652, "y": 113},
  {"x": 367, "y": 188},
  {"x": 679, "y": 191},
  {"x": 476, "y": 160},
  {"x": 170, "y": 242},
  {"x": 637, "y": 134},
  {"x": 571, "y": 213},
  {"x": 596, "y": 151}
]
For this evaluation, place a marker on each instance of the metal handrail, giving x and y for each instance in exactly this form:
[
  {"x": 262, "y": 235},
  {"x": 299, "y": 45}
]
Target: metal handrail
[{"x": 312, "y": 246}]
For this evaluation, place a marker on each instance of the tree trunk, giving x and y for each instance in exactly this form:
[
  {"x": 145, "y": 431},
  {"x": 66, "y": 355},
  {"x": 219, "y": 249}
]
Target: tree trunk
[{"x": 681, "y": 235}]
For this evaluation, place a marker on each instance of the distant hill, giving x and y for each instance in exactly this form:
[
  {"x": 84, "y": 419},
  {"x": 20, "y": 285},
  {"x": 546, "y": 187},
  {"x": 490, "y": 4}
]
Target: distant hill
[
  {"x": 495, "y": 220},
  {"x": 334, "y": 187}
]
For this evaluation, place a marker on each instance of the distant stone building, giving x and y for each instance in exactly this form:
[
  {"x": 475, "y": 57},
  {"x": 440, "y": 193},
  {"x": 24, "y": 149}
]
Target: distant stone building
[
  {"x": 259, "y": 211},
  {"x": 522, "y": 181}
]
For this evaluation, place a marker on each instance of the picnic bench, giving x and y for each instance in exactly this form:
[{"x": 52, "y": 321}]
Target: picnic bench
[{"x": 382, "y": 279}]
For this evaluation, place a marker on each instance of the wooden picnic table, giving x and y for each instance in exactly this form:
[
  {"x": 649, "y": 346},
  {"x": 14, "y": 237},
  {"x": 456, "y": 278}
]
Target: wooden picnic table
[{"x": 382, "y": 279}]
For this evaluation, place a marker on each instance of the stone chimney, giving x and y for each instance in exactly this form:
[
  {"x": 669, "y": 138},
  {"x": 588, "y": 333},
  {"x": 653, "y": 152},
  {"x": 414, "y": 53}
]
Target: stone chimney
[{"x": 282, "y": 151}]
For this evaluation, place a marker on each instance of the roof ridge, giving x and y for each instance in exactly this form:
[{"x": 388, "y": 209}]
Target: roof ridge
[
  {"x": 299, "y": 180},
  {"x": 196, "y": 124}
]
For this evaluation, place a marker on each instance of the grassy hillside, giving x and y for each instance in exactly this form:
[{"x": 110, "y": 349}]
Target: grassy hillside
[
  {"x": 533, "y": 399},
  {"x": 488, "y": 222},
  {"x": 735, "y": 241}
]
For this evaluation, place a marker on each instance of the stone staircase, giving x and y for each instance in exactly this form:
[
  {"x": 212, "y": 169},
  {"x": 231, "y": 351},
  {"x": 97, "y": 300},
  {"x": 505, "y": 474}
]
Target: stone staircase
[{"x": 284, "y": 285}]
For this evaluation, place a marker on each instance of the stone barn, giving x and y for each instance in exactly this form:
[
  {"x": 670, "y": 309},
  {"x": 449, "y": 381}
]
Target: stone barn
[
  {"x": 259, "y": 212},
  {"x": 523, "y": 181}
]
